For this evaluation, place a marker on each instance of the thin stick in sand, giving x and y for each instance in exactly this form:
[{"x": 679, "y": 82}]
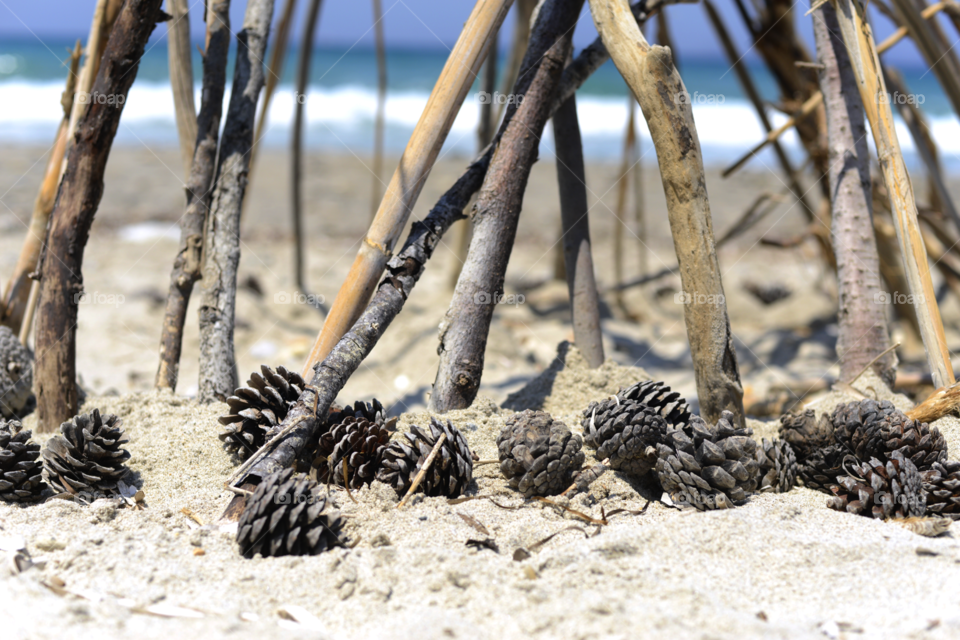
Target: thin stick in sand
[{"x": 423, "y": 470}]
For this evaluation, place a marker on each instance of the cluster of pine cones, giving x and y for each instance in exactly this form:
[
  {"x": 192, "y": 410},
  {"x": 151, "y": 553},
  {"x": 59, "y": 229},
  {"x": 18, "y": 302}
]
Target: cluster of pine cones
[
  {"x": 85, "y": 460},
  {"x": 875, "y": 461}
]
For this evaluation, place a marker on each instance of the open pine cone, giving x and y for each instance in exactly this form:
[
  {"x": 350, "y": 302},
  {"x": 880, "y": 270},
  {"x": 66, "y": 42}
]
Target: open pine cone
[
  {"x": 638, "y": 398},
  {"x": 450, "y": 472},
  {"x": 708, "y": 467},
  {"x": 778, "y": 466},
  {"x": 627, "y": 435},
  {"x": 87, "y": 457},
  {"x": 258, "y": 407},
  {"x": 358, "y": 436},
  {"x": 820, "y": 470},
  {"x": 287, "y": 516},
  {"x": 21, "y": 473},
  {"x": 942, "y": 487},
  {"x": 875, "y": 489},
  {"x": 539, "y": 456},
  {"x": 805, "y": 433},
  {"x": 16, "y": 374},
  {"x": 871, "y": 429}
]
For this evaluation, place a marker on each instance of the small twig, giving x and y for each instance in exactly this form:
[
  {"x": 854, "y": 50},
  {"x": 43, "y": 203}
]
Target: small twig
[
  {"x": 190, "y": 514},
  {"x": 574, "y": 512},
  {"x": 480, "y": 463},
  {"x": 346, "y": 482},
  {"x": 874, "y": 361},
  {"x": 808, "y": 65},
  {"x": 424, "y": 469},
  {"x": 239, "y": 491},
  {"x": 469, "y": 498}
]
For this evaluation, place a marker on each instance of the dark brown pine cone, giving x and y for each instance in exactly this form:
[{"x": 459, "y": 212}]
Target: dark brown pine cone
[
  {"x": 871, "y": 429},
  {"x": 21, "y": 472},
  {"x": 450, "y": 472},
  {"x": 287, "y": 516},
  {"x": 806, "y": 433},
  {"x": 820, "y": 470},
  {"x": 358, "y": 435},
  {"x": 778, "y": 466},
  {"x": 627, "y": 435},
  {"x": 942, "y": 487},
  {"x": 891, "y": 490},
  {"x": 708, "y": 467},
  {"x": 539, "y": 456},
  {"x": 16, "y": 375},
  {"x": 258, "y": 407},
  {"x": 87, "y": 458},
  {"x": 632, "y": 400}
]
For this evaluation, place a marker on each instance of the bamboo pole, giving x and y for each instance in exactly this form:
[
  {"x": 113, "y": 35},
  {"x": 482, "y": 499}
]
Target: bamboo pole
[
  {"x": 941, "y": 60},
  {"x": 376, "y": 191},
  {"x": 221, "y": 245},
  {"x": 652, "y": 77},
  {"x": 188, "y": 265},
  {"x": 181, "y": 79},
  {"x": 77, "y": 202},
  {"x": 408, "y": 179},
  {"x": 858, "y": 39}
]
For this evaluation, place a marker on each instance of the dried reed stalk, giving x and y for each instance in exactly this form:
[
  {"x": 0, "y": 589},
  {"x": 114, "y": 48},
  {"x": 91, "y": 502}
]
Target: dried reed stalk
[
  {"x": 77, "y": 202},
  {"x": 181, "y": 79},
  {"x": 941, "y": 59},
  {"x": 523, "y": 15},
  {"x": 653, "y": 79},
  {"x": 376, "y": 191},
  {"x": 620, "y": 211},
  {"x": 188, "y": 265}
]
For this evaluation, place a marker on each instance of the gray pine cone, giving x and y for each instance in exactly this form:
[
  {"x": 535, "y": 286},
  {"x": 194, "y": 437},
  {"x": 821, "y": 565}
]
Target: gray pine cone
[
  {"x": 871, "y": 429},
  {"x": 820, "y": 470},
  {"x": 16, "y": 374},
  {"x": 259, "y": 406},
  {"x": 21, "y": 472},
  {"x": 805, "y": 433},
  {"x": 627, "y": 435},
  {"x": 647, "y": 393},
  {"x": 539, "y": 456},
  {"x": 287, "y": 516},
  {"x": 878, "y": 490},
  {"x": 87, "y": 457},
  {"x": 778, "y": 466},
  {"x": 357, "y": 435},
  {"x": 450, "y": 472},
  {"x": 941, "y": 484}
]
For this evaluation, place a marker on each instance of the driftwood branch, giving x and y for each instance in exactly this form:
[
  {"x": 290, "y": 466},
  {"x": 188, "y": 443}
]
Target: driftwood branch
[
  {"x": 218, "y": 370},
  {"x": 464, "y": 329},
  {"x": 862, "y": 320},
  {"x": 187, "y": 266},
  {"x": 651, "y": 75},
  {"x": 77, "y": 202},
  {"x": 179, "y": 53}
]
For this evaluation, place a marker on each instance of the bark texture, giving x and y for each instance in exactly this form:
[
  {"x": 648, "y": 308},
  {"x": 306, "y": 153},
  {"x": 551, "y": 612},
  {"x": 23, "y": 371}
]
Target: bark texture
[
  {"x": 77, "y": 202},
  {"x": 189, "y": 261},
  {"x": 464, "y": 329},
  {"x": 218, "y": 369},
  {"x": 862, "y": 319}
]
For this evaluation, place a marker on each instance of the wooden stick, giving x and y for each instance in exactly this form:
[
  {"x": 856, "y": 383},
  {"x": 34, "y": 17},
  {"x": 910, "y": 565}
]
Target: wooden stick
[
  {"x": 408, "y": 179},
  {"x": 943, "y": 401},
  {"x": 941, "y": 60},
  {"x": 620, "y": 210},
  {"x": 523, "y": 15},
  {"x": 653, "y": 79},
  {"x": 377, "y": 190},
  {"x": 862, "y": 319},
  {"x": 218, "y": 367},
  {"x": 187, "y": 266},
  {"x": 466, "y": 325},
  {"x": 77, "y": 202},
  {"x": 423, "y": 470},
  {"x": 181, "y": 79},
  {"x": 858, "y": 39},
  {"x": 27, "y": 325}
]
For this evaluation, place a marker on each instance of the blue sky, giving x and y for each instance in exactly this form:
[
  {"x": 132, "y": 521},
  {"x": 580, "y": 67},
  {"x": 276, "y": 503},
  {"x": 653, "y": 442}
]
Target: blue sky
[{"x": 408, "y": 23}]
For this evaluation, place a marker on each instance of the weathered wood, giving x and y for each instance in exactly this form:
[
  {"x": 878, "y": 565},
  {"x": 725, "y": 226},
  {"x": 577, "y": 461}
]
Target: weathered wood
[
  {"x": 862, "y": 320},
  {"x": 465, "y": 327},
  {"x": 653, "y": 79},
  {"x": 77, "y": 202},
  {"x": 179, "y": 54},
  {"x": 218, "y": 369},
  {"x": 944, "y": 401},
  {"x": 578, "y": 257},
  {"x": 187, "y": 266},
  {"x": 376, "y": 190},
  {"x": 858, "y": 39}
]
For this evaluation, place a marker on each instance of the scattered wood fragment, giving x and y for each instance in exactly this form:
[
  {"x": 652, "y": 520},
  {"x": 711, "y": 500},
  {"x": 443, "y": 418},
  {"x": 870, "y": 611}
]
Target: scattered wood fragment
[
  {"x": 473, "y": 522},
  {"x": 423, "y": 470},
  {"x": 944, "y": 401},
  {"x": 187, "y": 511}
]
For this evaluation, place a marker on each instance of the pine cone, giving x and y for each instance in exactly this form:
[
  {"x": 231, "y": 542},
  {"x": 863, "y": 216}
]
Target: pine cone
[
  {"x": 778, "y": 466},
  {"x": 871, "y": 429},
  {"x": 942, "y": 486},
  {"x": 87, "y": 456},
  {"x": 287, "y": 516},
  {"x": 450, "y": 472},
  {"x": 628, "y": 436},
  {"x": 821, "y": 469},
  {"x": 805, "y": 433},
  {"x": 21, "y": 478},
  {"x": 630, "y": 401},
  {"x": 708, "y": 467},
  {"x": 257, "y": 407},
  {"x": 894, "y": 490},
  {"x": 16, "y": 374},
  {"x": 357, "y": 435},
  {"x": 539, "y": 455}
]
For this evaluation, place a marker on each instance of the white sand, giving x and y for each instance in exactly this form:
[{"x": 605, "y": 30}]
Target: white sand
[{"x": 781, "y": 566}]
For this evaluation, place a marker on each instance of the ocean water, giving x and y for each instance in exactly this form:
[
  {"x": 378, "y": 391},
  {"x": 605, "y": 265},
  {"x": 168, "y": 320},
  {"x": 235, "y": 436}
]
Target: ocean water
[{"x": 340, "y": 105}]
